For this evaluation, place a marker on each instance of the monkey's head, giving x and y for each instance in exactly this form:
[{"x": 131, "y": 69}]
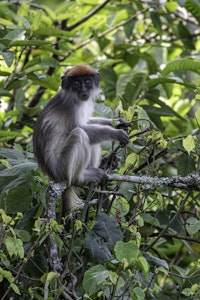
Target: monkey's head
[{"x": 82, "y": 81}]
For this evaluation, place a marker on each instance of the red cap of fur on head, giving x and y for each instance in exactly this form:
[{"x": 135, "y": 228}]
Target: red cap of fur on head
[{"x": 80, "y": 70}]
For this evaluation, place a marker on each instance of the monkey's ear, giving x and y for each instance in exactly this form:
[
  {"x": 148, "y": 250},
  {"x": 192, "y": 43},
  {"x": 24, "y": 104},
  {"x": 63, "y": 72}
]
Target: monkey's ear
[{"x": 64, "y": 81}]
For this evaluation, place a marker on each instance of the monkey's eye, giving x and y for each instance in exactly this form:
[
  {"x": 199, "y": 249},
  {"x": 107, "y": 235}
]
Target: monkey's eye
[
  {"x": 88, "y": 82},
  {"x": 77, "y": 83}
]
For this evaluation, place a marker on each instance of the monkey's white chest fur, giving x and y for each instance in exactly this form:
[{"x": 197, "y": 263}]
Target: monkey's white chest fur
[{"x": 84, "y": 112}]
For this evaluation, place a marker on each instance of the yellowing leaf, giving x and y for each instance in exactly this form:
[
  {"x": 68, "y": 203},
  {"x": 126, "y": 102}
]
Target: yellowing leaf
[{"x": 51, "y": 276}]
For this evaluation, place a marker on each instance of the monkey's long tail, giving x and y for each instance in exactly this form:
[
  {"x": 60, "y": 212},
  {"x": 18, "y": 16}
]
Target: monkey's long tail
[{"x": 70, "y": 199}]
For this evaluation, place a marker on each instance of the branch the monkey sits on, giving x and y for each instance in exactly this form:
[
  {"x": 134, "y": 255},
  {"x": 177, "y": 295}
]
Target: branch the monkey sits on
[{"x": 67, "y": 138}]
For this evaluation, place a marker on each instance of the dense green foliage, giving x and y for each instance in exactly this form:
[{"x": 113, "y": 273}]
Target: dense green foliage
[{"x": 140, "y": 241}]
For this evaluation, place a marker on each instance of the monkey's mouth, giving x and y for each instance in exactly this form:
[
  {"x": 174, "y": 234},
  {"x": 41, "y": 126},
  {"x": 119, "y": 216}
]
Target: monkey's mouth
[{"x": 83, "y": 96}]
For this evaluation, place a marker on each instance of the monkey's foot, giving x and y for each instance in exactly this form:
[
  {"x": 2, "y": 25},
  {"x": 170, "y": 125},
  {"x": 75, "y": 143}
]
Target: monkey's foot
[{"x": 94, "y": 175}]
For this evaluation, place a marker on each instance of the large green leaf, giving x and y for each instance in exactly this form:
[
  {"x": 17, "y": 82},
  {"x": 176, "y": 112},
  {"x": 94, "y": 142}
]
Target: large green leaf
[
  {"x": 128, "y": 251},
  {"x": 182, "y": 64},
  {"x": 102, "y": 238},
  {"x": 194, "y": 8},
  {"x": 108, "y": 229},
  {"x": 16, "y": 200},
  {"x": 162, "y": 80},
  {"x": 19, "y": 169},
  {"x": 94, "y": 278}
]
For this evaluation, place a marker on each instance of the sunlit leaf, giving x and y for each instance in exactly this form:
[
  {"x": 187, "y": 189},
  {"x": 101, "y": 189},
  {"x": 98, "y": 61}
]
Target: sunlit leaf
[
  {"x": 189, "y": 143},
  {"x": 182, "y": 64}
]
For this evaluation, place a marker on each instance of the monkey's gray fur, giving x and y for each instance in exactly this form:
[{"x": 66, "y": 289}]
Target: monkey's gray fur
[{"x": 67, "y": 139}]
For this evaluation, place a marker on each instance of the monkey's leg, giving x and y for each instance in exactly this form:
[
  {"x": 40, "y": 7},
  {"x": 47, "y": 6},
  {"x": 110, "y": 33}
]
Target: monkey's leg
[
  {"x": 93, "y": 173},
  {"x": 74, "y": 157}
]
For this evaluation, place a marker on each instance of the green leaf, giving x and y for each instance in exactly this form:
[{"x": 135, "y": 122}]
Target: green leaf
[
  {"x": 128, "y": 251},
  {"x": 156, "y": 261},
  {"x": 96, "y": 248},
  {"x": 194, "y": 9},
  {"x": 58, "y": 241},
  {"x": 9, "y": 135},
  {"x": 14, "y": 246},
  {"x": 9, "y": 57},
  {"x": 192, "y": 225},
  {"x": 187, "y": 292},
  {"x": 48, "y": 82},
  {"x": 4, "y": 92},
  {"x": 171, "y": 6},
  {"x": 15, "y": 288},
  {"x": 108, "y": 229},
  {"x": 143, "y": 264},
  {"x": 49, "y": 12},
  {"x": 51, "y": 276},
  {"x": 17, "y": 199},
  {"x": 25, "y": 23},
  {"x": 102, "y": 238},
  {"x": 189, "y": 143},
  {"x": 14, "y": 35},
  {"x": 23, "y": 235},
  {"x": 6, "y": 274},
  {"x": 116, "y": 280},
  {"x": 37, "y": 20},
  {"x": 43, "y": 61},
  {"x": 185, "y": 36},
  {"x": 52, "y": 31},
  {"x": 155, "y": 17},
  {"x": 133, "y": 57},
  {"x": 197, "y": 115},
  {"x": 186, "y": 164},
  {"x": 155, "y": 80},
  {"x": 19, "y": 169},
  {"x": 120, "y": 206},
  {"x": 94, "y": 278},
  {"x": 158, "y": 110},
  {"x": 29, "y": 43},
  {"x": 12, "y": 153},
  {"x": 137, "y": 294},
  {"x": 182, "y": 64},
  {"x": 133, "y": 89}
]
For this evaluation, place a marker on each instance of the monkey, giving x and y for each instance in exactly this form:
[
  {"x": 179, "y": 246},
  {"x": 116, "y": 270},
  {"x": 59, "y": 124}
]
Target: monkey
[{"x": 67, "y": 139}]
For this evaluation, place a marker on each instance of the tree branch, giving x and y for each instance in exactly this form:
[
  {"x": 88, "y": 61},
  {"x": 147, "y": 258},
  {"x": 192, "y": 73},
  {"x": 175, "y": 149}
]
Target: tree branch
[
  {"x": 88, "y": 16},
  {"x": 107, "y": 31},
  {"x": 190, "y": 182},
  {"x": 54, "y": 191}
]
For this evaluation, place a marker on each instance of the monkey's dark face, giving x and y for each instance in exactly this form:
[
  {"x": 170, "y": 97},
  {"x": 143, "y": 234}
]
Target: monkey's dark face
[{"x": 81, "y": 85}]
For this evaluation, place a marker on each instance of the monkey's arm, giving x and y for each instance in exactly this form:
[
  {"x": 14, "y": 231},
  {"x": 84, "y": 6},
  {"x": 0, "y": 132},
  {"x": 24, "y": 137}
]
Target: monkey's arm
[
  {"x": 102, "y": 121},
  {"x": 99, "y": 133},
  {"x": 119, "y": 123}
]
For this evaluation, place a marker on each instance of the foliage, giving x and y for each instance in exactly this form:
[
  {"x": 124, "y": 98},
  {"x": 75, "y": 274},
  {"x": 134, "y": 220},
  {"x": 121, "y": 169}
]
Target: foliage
[{"x": 138, "y": 242}]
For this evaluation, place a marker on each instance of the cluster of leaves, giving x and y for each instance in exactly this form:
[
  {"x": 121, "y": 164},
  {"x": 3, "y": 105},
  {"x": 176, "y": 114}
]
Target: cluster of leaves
[{"x": 139, "y": 242}]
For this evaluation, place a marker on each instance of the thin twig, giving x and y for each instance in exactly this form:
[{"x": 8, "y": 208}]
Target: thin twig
[
  {"x": 88, "y": 16},
  {"x": 169, "y": 224}
]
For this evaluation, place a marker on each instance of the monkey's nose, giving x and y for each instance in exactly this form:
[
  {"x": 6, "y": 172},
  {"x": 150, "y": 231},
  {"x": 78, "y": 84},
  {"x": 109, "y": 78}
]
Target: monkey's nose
[{"x": 84, "y": 96}]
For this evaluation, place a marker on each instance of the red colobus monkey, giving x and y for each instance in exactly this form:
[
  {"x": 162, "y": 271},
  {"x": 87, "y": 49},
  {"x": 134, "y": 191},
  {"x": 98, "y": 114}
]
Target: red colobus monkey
[{"x": 67, "y": 139}]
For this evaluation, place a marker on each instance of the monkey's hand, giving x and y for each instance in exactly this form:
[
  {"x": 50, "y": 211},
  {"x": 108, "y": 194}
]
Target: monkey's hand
[
  {"x": 122, "y": 124},
  {"x": 94, "y": 175},
  {"x": 123, "y": 137}
]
